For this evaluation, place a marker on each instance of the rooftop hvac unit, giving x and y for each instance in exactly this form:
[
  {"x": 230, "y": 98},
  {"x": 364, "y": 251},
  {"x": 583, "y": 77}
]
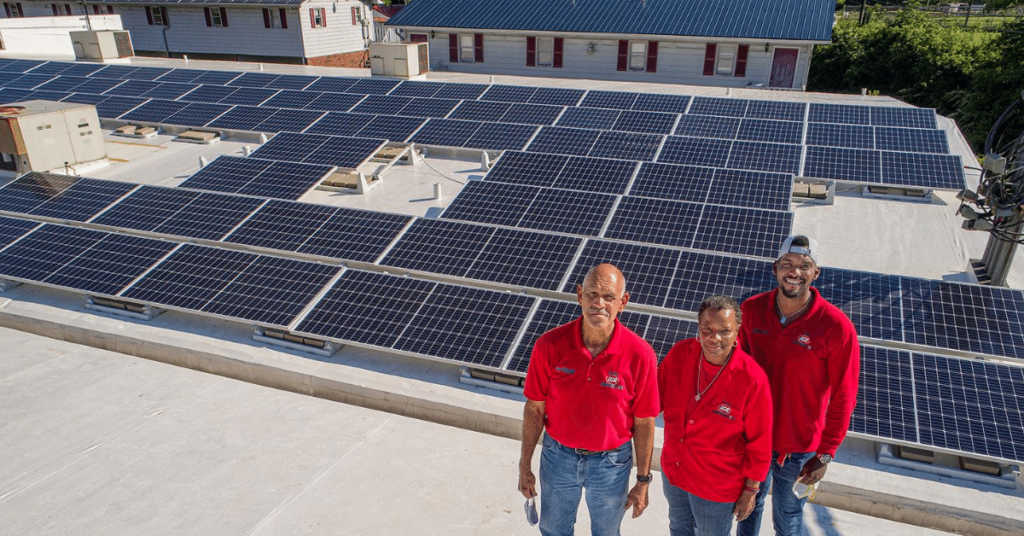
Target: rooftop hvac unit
[
  {"x": 102, "y": 44},
  {"x": 41, "y": 135},
  {"x": 404, "y": 60}
]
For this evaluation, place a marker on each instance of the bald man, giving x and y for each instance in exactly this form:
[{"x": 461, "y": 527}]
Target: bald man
[{"x": 593, "y": 384}]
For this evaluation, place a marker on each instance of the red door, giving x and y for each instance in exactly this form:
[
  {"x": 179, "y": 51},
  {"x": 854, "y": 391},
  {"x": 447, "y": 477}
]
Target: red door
[{"x": 783, "y": 67}]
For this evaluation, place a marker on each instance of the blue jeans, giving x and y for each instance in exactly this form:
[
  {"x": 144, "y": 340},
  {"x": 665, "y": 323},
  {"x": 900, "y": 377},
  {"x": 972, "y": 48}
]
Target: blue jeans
[
  {"x": 563, "y": 476},
  {"x": 689, "y": 515},
  {"x": 787, "y": 510}
]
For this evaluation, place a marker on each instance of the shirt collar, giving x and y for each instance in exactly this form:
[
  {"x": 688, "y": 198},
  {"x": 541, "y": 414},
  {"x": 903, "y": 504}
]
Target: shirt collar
[
  {"x": 614, "y": 345},
  {"x": 817, "y": 303}
]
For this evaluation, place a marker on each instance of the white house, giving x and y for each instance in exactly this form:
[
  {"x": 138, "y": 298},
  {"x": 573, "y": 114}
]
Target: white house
[
  {"x": 700, "y": 42},
  {"x": 310, "y": 32}
]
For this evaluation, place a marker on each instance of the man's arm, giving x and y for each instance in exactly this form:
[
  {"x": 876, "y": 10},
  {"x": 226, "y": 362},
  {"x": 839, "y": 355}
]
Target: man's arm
[
  {"x": 533, "y": 425},
  {"x": 643, "y": 441}
]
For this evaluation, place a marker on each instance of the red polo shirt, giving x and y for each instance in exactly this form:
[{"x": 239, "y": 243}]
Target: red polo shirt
[
  {"x": 590, "y": 402},
  {"x": 813, "y": 366},
  {"x": 714, "y": 444}
]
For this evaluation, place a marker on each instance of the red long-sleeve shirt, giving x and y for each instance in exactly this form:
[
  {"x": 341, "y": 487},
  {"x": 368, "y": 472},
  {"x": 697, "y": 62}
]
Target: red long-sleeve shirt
[
  {"x": 813, "y": 366},
  {"x": 714, "y": 444}
]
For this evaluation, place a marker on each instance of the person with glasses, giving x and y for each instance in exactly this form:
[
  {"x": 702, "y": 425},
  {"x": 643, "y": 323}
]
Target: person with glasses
[
  {"x": 718, "y": 420},
  {"x": 809, "y": 350},
  {"x": 591, "y": 385}
]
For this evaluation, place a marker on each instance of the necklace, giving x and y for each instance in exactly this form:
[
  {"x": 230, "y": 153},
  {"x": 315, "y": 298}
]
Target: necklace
[
  {"x": 784, "y": 317},
  {"x": 719, "y": 373}
]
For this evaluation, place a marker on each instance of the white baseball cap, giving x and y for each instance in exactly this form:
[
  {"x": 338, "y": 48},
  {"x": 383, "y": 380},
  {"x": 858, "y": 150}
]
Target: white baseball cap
[{"x": 804, "y": 245}]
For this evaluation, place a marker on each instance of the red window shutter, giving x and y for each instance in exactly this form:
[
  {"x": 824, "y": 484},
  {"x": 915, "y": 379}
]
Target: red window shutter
[
  {"x": 95, "y": 9},
  {"x": 418, "y": 38},
  {"x": 453, "y": 48},
  {"x": 623, "y": 55},
  {"x": 209, "y": 18},
  {"x": 163, "y": 12},
  {"x": 323, "y": 15},
  {"x": 224, "y": 17},
  {"x": 110, "y": 9},
  {"x": 149, "y": 15},
  {"x": 652, "y": 56},
  {"x": 709, "y": 59},
  {"x": 556, "y": 59},
  {"x": 7, "y": 8},
  {"x": 312, "y": 18},
  {"x": 478, "y": 48},
  {"x": 354, "y": 21},
  {"x": 67, "y": 9},
  {"x": 266, "y": 18},
  {"x": 21, "y": 13},
  {"x": 741, "y": 60},
  {"x": 531, "y": 51},
  {"x": 54, "y": 8},
  {"x": 284, "y": 18}
]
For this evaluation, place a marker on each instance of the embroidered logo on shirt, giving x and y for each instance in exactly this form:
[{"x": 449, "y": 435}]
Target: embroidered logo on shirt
[
  {"x": 565, "y": 370},
  {"x": 612, "y": 381},
  {"x": 804, "y": 340},
  {"x": 762, "y": 331},
  {"x": 724, "y": 409}
]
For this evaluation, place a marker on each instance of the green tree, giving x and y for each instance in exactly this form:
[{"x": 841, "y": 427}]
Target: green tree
[{"x": 996, "y": 84}]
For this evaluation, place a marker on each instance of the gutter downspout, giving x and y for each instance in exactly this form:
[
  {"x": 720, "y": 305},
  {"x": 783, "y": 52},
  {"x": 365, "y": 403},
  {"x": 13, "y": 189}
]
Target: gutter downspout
[{"x": 167, "y": 47}]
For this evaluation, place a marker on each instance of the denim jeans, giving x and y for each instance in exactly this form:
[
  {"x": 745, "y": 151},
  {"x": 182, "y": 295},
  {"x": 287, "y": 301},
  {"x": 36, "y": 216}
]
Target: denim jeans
[
  {"x": 563, "y": 476},
  {"x": 689, "y": 515},
  {"x": 787, "y": 510}
]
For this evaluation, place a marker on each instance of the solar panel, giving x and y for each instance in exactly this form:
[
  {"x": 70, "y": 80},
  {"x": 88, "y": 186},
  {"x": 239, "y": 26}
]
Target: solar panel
[
  {"x": 355, "y": 235},
  {"x": 213, "y": 77},
  {"x": 525, "y": 259},
  {"x": 450, "y": 90},
  {"x": 446, "y": 132},
  {"x": 439, "y": 246},
  {"x": 292, "y": 99},
  {"x": 344, "y": 152},
  {"x": 145, "y": 73},
  {"x": 840, "y": 135},
  {"x": 695, "y": 151},
  {"x": 655, "y": 221},
  {"x": 760, "y": 156},
  {"x": 649, "y": 270},
  {"x": 480, "y": 110},
  {"x": 133, "y": 88},
  {"x": 568, "y": 211},
  {"x": 381, "y": 104},
  {"x": 758, "y": 236},
  {"x": 719, "y": 106},
  {"x": 169, "y": 91},
  {"x": 20, "y": 66},
  {"x": 885, "y": 395},
  {"x": 372, "y": 86},
  {"x": 179, "y": 212},
  {"x": 533, "y": 169},
  {"x": 154, "y": 111},
  {"x": 752, "y": 189},
  {"x": 888, "y": 116},
  {"x": 290, "y": 147},
  {"x": 423, "y": 107},
  {"x": 97, "y": 85},
  {"x": 12, "y": 229},
  {"x": 700, "y": 275},
  {"x": 970, "y": 406},
  {"x": 911, "y": 140},
  {"x": 508, "y": 93},
  {"x": 550, "y": 314},
  {"x": 242, "y": 118},
  {"x": 645, "y": 122},
  {"x": 970, "y": 318},
  {"x": 491, "y": 202},
  {"x": 13, "y": 95},
  {"x": 599, "y": 175},
  {"x": 598, "y": 118},
  {"x": 194, "y": 75},
  {"x": 196, "y": 114},
  {"x": 291, "y": 81},
  {"x": 47, "y": 95},
  {"x": 560, "y": 140},
  {"x": 500, "y": 136},
  {"x": 531, "y": 114},
  {"x": 272, "y": 290},
  {"x": 415, "y": 88},
  {"x": 208, "y": 93},
  {"x": 366, "y": 308},
  {"x": 251, "y": 176},
  {"x": 663, "y": 332},
  {"x": 391, "y": 127},
  {"x": 190, "y": 277},
  {"x": 619, "y": 100},
  {"x": 284, "y": 225},
  {"x": 771, "y": 131},
  {"x": 82, "y": 98},
  {"x": 63, "y": 83},
  {"x": 466, "y": 325},
  {"x": 249, "y": 96},
  {"x": 781, "y": 111},
  {"x": 556, "y": 96},
  {"x": 871, "y": 301},
  {"x": 662, "y": 103},
  {"x": 626, "y": 145},
  {"x": 60, "y": 196},
  {"x": 333, "y": 84},
  {"x": 51, "y": 67},
  {"x": 289, "y": 120},
  {"x": 672, "y": 181},
  {"x": 253, "y": 80},
  {"x": 29, "y": 81},
  {"x": 856, "y": 165},
  {"x": 942, "y": 171},
  {"x": 334, "y": 102},
  {"x": 839, "y": 113}
]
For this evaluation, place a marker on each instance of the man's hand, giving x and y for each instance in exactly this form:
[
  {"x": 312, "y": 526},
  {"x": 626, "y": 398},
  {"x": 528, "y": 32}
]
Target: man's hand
[
  {"x": 744, "y": 505},
  {"x": 637, "y": 498},
  {"x": 527, "y": 480},
  {"x": 813, "y": 471}
]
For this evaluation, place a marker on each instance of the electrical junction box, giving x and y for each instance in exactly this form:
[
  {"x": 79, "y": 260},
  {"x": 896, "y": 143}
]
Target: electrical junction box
[{"x": 42, "y": 135}]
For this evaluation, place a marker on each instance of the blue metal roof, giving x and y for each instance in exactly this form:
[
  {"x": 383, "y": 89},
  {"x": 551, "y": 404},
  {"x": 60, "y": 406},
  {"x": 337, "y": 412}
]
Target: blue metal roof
[{"x": 809, "y": 20}]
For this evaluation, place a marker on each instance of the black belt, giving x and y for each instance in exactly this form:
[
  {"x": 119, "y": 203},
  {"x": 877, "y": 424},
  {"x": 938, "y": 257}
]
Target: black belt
[{"x": 585, "y": 452}]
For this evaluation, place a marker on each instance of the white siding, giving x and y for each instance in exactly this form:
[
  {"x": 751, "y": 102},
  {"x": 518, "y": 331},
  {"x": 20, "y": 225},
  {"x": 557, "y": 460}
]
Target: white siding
[
  {"x": 48, "y": 36},
  {"x": 188, "y": 32},
  {"x": 678, "y": 62},
  {"x": 340, "y": 35}
]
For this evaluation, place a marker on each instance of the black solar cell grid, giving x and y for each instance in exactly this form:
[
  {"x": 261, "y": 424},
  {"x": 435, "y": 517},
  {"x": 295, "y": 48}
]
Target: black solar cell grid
[
  {"x": 355, "y": 235},
  {"x": 447, "y": 132},
  {"x": 179, "y": 212},
  {"x": 97, "y": 85},
  {"x": 890, "y": 116},
  {"x": 649, "y": 270},
  {"x": 252, "y": 176},
  {"x": 424, "y": 107},
  {"x": 242, "y": 118},
  {"x": 45, "y": 250},
  {"x": 381, "y": 104},
  {"x": 655, "y": 221},
  {"x": 182, "y": 75},
  {"x": 556, "y": 96},
  {"x": 771, "y": 131},
  {"x": 253, "y": 80},
  {"x": 292, "y": 99},
  {"x": 284, "y": 225},
  {"x": 663, "y": 332},
  {"x": 391, "y": 127},
  {"x": 941, "y": 171},
  {"x": 284, "y": 120},
  {"x": 480, "y": 110},
  {"x": 501, "y": 136},
  {"x": 695, "y": 151},
  {"x": 215, "y": 77},
  {"x": 291, "y": 81},
  {"x": 619, "y": 100},
  {"x": 439, "y": 246},
  {"x": 525, "y": 259},
  {"x": 197, "y": 114},
  {"x": 534, "y": 169},
  {"x": 459, "y": 91},
  {"x": 169, "y": 91},
  {"x": 758, "y": 236},
  {"x": 20, "y": 66},
  {"x": 596, "y": 118},
  {"x": 885, "y": 397},
  {"x": 627, "y": 146},
  {"x": 645, "y": 122},
  {"x": 371, "y": 86},
  {"x": 63, "y": 83},
  {"x": 871, "y": 301},
  {"x": 508, "y": 93},
  {"x": 344, "y": 152},
  {"x": 83, "y": 98},
  {"x": 752, "y": 189},
  {"x": 560, "y": 140},
  {"x": 133, "y": 88},
  {"x": 598, "y": 175},
  {"x": 676, "y": 104},
  {"x": 855, "y": 165},
  {"x": 339, "y": 124},
  {"x": 840, "y": 135},
  {"x": 333, "y": 84},
  {"x": 776, "y": 157},
  {"x": 416, "y": 88},
  {"x": 47, "y": 95},
  {"x": 290, "y": 146},
  {"x": 250, "y": 96},
  {"x": 568, "y": 211},
  {"x": 780, "y": 111},
  {"x": 51, "y": 67},
  {"x": 549, "y": 314},
  {"x": 334, "y": 102},
  {"x": 704, "y": 274},
  {"x": 29, "y": 81},
  {"x": 13, "y": 95},
  {"x": 60, "y": 196},
  {"x": 839, "y": 113},
  {"x": 190, "y": 277},
  {"x": 719, "y": 106},
  {"x": 145, "y": 73},
  {"x": 673, "y": 181},
  {"x": 208, "y": 93},
  {"x": 491, "y": 202},
  {"x": 154, "y": 111},
  {"x": 911, "y": 140},
  {"x": 531, "y": 114},
  {"x": 112, "y": 107},
  {"x": 12, "y": 229},
  {"x": 110, "y": 264}
]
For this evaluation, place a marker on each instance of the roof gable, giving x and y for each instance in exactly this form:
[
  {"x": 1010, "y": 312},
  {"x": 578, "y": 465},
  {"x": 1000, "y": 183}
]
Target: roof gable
[{"x": 755, "y": 19}]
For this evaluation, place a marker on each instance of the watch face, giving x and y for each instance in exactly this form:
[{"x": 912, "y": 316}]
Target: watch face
[{"x": 825, "y": 458}]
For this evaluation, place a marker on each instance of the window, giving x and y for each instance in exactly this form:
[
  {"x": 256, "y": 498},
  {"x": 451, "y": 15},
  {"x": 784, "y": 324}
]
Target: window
[
  {"x": 637, "y": 55},
  {"x": 13, "y": 10},
  {"x": 100, "y": 10},
  {"x": 545, "y": 50},
  {"x": 466, "y": 48},
  {"x": 61, "y": 10},
  {"x": 157, "y": 16},
  {"x": 275, "y": 18},
  {"x": 726, "y": 60},
  {"x": 216, "y": 16},
  {"x": 318, "y": 17}
]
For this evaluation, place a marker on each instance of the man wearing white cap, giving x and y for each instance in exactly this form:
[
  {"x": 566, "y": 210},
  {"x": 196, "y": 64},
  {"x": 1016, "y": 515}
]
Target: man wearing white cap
[{"x": 809, "y": 350}]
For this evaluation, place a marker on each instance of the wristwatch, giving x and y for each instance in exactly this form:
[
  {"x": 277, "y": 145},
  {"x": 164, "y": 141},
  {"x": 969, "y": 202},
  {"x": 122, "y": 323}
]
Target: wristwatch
[
  {"x": 644, "y": 478},
  {"x": 825, "y": 459}
]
